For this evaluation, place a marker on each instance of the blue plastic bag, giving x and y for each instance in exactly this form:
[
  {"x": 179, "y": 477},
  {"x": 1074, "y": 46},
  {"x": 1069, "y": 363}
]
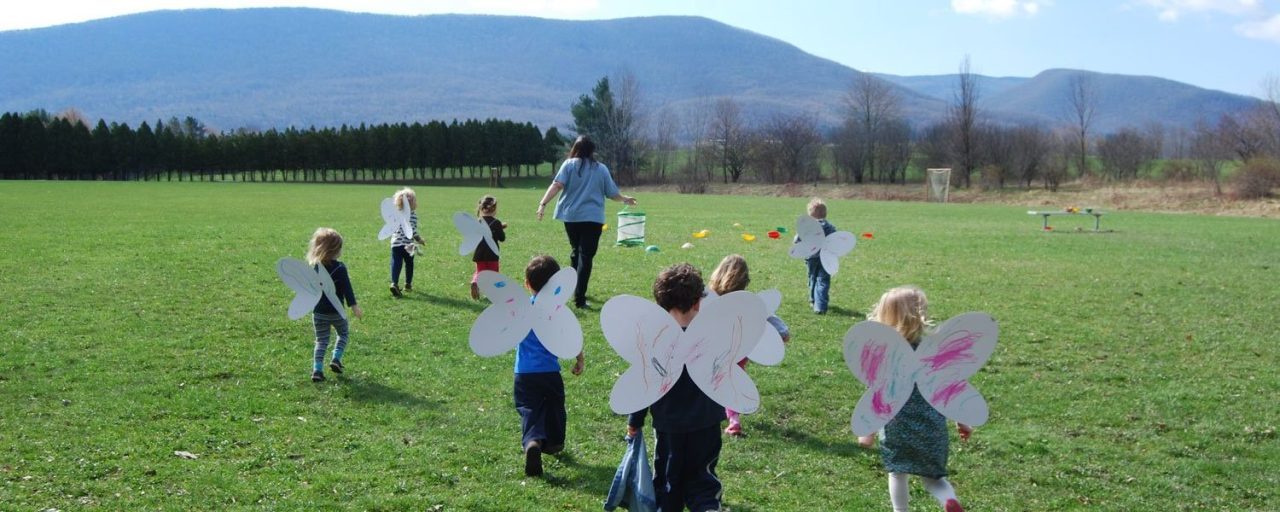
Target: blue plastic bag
[{"x": 632, "y": 487}]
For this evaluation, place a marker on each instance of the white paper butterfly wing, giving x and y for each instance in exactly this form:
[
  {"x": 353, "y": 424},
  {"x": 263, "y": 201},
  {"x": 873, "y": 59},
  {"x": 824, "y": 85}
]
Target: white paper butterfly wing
[
  {"x": 330, "y": 290},
  {"x": 812, "y": 239},
  {"x": 502, "y": 325},
  {"x": 470, "y": 231},
  {"x": 880, "y": 358},
  {"x": 722, "y": 334},
  {"x": 390, "y": 219},
  {"x": 949, "y": 357},
  {"x": 302, "y": 279},
  {"x": 406, "y": 219},
  {"x": 837, "y": 245},
  {"x": 771, "y": 349},
  {"x": 648, "y": 338},
  {"x": 556, "y": 326},
  {"x": 487, "y": 232}
]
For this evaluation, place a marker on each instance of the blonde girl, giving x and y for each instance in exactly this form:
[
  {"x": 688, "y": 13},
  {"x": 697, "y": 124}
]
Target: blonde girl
[
  {"x": 485, "y": 257},
  {"x": 402, "y": 244},
  {"x": 732, "y": 275},
  {"x": 323, "y": 251},
  {"x": 915, "y": 442}
]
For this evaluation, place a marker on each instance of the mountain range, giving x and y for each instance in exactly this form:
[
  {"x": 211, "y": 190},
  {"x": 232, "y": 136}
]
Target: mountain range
[{"x": 278, "y": 67}]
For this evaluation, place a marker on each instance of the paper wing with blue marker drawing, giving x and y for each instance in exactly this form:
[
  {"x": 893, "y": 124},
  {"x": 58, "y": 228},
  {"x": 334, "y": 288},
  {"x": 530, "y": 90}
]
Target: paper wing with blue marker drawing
[
  {"x": 310, "y": 284},
  {"x": 511, "y": 316},
  {"x": 724, "y": 331},
  {"x": 473, "y": 232},
  {"x": 395, "y": 219},
  {"x": 829, "y": 248},
  {"x": 940, "y": 367}
]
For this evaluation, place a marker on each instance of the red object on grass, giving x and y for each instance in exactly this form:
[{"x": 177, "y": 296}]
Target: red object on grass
[
  {"x": 774, "y": 234},
  {"x": 867, "y": 236},
  {"x": 1048, "y": 228}
]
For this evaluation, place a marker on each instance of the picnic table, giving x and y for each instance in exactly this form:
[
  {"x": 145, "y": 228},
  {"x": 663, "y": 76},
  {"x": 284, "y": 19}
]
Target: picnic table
[{"x": 1096, "y": 213}]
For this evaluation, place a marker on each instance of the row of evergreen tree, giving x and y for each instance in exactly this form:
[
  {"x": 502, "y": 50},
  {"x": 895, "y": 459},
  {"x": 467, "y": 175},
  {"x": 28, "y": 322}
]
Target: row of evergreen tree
[{"x": 37, "y": 145}]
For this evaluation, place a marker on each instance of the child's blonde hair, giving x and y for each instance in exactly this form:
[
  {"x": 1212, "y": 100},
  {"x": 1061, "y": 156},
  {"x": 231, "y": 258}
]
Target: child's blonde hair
[
  {"x": 730, "y": 275},
  {"x": 406, "y": 194},
  {"x": 817, "y": 208},
  {"x": 325, "y": 246},
  {"x": 487, "y": 203},
  {"x": 904, "y": 308}
]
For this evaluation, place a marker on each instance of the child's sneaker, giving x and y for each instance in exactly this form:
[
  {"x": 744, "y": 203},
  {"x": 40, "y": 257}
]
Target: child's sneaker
[
  {"x": 953, "y": 506},
  {"x": 317, "y": 376},
  {"x": 533, "y": 459},
  {"x": 734, "y": 429},
  {"x": 395, "y": 291},
  {"x": 475, "y": 291},
  {"x": 336, "y": 366}
]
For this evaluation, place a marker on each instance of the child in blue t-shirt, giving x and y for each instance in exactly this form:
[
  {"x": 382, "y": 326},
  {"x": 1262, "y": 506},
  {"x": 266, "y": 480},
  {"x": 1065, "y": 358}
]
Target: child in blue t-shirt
[{"x": 539, "y": 390}]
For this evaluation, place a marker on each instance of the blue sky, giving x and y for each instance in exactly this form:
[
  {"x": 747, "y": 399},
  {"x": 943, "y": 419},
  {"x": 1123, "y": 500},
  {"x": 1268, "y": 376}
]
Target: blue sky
[{"x": 1231, "y": 45}]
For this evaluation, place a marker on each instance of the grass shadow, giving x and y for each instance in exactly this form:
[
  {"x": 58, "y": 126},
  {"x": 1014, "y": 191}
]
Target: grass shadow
[
  {"x": 451, "y": 302},
  {"x": 368, "y": 391},
  {"x": 847, "y": 312},
  {"x": 842, "y": 447},
  {"x": 586, "y": 476}
]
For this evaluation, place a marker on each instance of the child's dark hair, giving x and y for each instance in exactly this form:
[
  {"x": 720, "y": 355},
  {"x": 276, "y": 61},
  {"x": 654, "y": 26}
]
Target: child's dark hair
[
  {"x": 678, "y": 287},
  {"x": 486, "y": 204},
  {"x": 539, "y": 271}
]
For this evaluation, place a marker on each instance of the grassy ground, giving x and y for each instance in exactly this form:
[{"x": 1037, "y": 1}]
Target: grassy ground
[{"x": 1135, "y": 369}]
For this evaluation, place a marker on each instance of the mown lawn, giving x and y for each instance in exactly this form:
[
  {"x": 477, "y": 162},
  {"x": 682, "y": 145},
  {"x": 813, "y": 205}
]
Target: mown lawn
[{"x": 1136, "y": 370}]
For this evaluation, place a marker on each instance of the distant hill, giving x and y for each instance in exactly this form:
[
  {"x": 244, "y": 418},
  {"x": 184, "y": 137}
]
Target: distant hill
[{"x": 277, "y": 67}]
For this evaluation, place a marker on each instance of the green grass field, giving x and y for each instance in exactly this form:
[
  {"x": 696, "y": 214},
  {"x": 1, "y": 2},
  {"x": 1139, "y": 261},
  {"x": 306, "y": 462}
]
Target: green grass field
[{"x": 1136, "y": 369}]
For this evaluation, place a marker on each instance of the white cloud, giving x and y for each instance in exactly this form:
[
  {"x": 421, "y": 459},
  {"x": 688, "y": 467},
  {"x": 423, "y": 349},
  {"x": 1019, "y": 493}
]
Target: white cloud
[
  {"x": 1172, "y": 10},
  {"x": 1267, "y": 29},
  {"x": 999, "y": 8}
]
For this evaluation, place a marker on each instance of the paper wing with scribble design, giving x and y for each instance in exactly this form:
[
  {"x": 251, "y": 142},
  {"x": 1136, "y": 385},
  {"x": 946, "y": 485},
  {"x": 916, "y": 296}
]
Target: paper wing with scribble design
[
  {"x": 948, "y": 357},
  {"x": 723, "y": 333},
  {"x": 649, "y": 339},
  {"x": 940, "y": 367},
  {"x": 879, "y": 357}
]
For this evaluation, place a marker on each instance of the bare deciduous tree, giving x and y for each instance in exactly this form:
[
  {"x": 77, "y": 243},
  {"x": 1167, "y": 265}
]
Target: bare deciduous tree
[
  {"x": 793, "y": 142},
  {"x": 729, "y": 135},
  {"x": 963, "y": 117},
  {"x": 666, "y": 144},
  {"x": 1082, "y": 104},
  {"x": 871, "y": 106},
  {"x": 1124, "y": 153},
  {"x": 1211, "y": 151}
]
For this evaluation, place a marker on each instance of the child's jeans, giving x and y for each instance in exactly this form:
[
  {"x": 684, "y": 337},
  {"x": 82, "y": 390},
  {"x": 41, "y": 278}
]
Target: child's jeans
[
  {"x": 539, "y": 399},
  {"x": 684, "y": 470},
  {"x": 819, "y": 283},
  {"x": 400, "y": 257},
  {"x": 322, "y": 323}
]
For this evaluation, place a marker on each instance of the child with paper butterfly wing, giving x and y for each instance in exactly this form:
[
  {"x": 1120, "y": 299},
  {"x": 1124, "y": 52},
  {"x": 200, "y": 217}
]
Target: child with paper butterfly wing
[
  {"x": 732, "y": 275},
  {"x": 915, "y": 383},
  {"x": 481, "y": 236},
  {"x": 821, "y": 246},
  {"x": 543, "y": 331},
  {"x": 322, "y": 286},
  {"x": 683, "y": 372},
  {"x": 404, "y": 240}
]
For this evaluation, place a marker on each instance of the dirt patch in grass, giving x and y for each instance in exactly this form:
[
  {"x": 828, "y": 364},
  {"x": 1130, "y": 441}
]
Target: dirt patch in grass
[{"x": 1169, "y": 197}]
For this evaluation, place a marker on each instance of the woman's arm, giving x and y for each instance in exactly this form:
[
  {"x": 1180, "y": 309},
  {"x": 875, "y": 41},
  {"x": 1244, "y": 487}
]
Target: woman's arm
[
  {"x": 630, "y": 201},
  {"x": 552, "y": 190}
]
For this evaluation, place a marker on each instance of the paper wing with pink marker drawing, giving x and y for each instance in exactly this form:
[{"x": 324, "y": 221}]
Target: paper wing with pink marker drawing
[
  {"x": 724, "y": 331},
  {"x": 940, "y": 367},
  {"x": 511, "y": 315}
]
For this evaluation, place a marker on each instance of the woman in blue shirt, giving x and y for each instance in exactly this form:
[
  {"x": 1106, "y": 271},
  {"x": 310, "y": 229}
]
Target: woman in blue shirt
[{"x": 583, "y": 184}]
